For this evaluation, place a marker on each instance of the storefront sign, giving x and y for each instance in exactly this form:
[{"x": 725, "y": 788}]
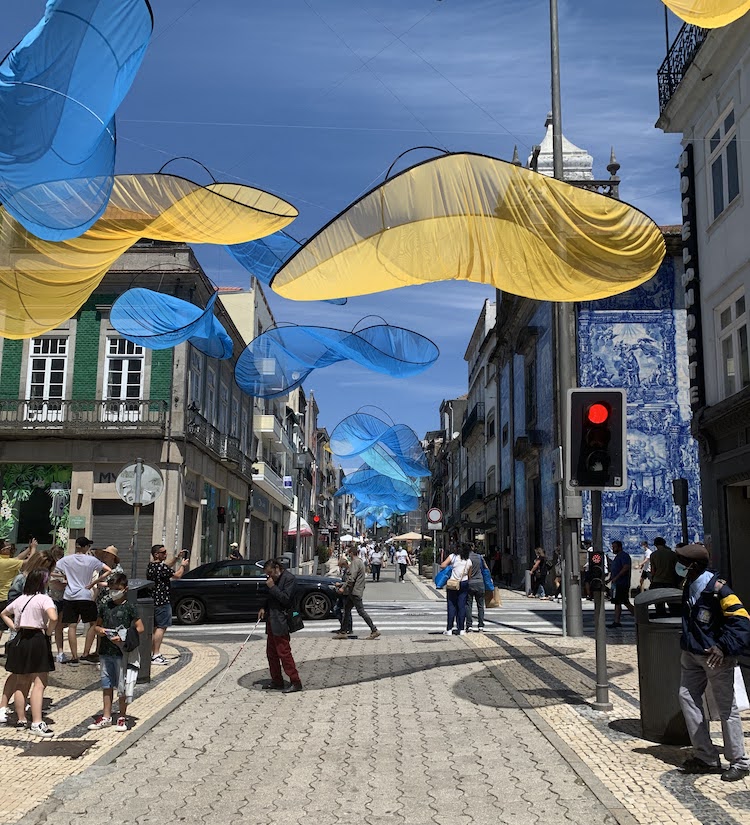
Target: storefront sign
[
  {"x": 191, "y": 486},
  {"x": 261, "y": 504},
  {"x": 691, "y": 279},
  {"x": 77, "y": 522}
]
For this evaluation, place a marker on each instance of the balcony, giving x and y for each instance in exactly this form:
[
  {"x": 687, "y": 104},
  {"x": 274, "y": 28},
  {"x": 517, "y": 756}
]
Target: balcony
[
  {"x": 473, "y": 494},
  {"x": 679, "y": 57},
  {"x": 269, "y": 427},
  {"x": 198, "y": 429},
  {"x": 230, "y": 450},
  {"x": 476, "y": 416},
  {"x": 82, "y": 418},
  {"x": 270, "y": 481}
]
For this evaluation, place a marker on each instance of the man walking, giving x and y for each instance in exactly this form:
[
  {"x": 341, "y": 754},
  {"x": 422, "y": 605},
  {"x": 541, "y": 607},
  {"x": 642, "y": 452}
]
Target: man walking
[
  {"x": 280, "y": 600},
  {"x": 353, "y": 589},
  {"x": 402, "y": 560},
  {"x": 619, "y": 571},
  {"x": 161, "y": 571},
  {"x": 715, "y": 630},
  {"x": 662, "y": 563},
  {"x": 376, "y": 563},
  {"x": 476, "y": 592}
]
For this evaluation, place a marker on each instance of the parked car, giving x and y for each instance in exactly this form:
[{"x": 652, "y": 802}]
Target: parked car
[{"x": 237, "y": 590}]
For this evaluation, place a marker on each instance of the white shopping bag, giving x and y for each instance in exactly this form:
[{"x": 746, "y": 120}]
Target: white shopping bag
[{"x": 740, "y": 696}]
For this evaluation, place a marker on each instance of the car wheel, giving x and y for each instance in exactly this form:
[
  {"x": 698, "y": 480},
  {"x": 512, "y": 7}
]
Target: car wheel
[
  {"x": 315, "y": 606},
  {"x": 190, "y": 611}
]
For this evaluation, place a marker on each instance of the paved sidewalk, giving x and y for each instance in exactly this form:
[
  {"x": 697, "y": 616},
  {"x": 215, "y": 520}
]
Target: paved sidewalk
[{"x": 76, "y": 696}]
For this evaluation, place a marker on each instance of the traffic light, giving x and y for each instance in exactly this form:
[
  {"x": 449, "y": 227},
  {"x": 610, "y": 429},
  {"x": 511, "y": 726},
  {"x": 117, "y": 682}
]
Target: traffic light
[
  {"x": 316, "y": 521},
  {"x": 596, "y": 570},
  {"x": 596, "y": 454}
]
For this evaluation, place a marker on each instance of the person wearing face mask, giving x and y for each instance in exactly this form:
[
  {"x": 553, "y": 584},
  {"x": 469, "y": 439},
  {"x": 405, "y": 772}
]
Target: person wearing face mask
[
  {"x": 119, "y": 670},
  {"x": 715, "y": 630}
]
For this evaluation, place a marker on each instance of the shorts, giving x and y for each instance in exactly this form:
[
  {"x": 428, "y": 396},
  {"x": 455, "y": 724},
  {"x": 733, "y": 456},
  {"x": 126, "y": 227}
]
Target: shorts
[
  {"x": 117, "y": 674},
  {"x": 620, "y": 594},
  {"x": 82, "y": 609},
  {"x": 163, "y": 615}
]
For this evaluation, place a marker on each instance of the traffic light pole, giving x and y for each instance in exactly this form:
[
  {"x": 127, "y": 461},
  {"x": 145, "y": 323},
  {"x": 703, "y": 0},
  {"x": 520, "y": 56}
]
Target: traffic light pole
[
  {"x": 602, "y": 681},
  {"x": 567, "y": 361}
]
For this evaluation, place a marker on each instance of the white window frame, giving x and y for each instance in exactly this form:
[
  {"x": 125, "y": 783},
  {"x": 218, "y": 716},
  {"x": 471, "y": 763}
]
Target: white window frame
[
  {"x": 44, "y": 408},
  {"x": 127, "y": 408},
  {"x": 718, "y": 154},
  {"x": 733, "y": 332},
  {"x": 195, "y": 377}
]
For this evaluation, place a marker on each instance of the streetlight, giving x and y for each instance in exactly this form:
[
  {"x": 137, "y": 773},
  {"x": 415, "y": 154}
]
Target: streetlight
[{"x": 300, "y": 461}]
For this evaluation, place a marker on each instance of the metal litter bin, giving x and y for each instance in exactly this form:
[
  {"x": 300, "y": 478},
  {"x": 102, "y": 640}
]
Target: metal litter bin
[
  {"x": 140, "y": 595},
  {"x": 658, "y": 641}
]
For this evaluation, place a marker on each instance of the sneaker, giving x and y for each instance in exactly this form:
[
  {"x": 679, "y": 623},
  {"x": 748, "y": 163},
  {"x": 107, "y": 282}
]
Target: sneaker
[
  {"x": 159, "y": 660},
  {"x": 374, "y": 635},
  {"x": 294, "y": 687},
  {"x": 448, "y": 632},
  {"x": 462, "y": 632},
  {"x": 341, "y": 635},
  {"x": 734, "y": 774},
  {"x": 73, "y": 662},
  {"x": 100, "y": 722},
  {"x": 4, "y": 714},
  {"x": 122, "y": 725},
  {"x": 21, "y": 723},
  {"x": 695, "y": 765},
  {"x": 42, "y": 730},
  {"x": 90, "y": 659},
  {"x": 480, "y": 629},
  {"x": 60, "y": 658}
]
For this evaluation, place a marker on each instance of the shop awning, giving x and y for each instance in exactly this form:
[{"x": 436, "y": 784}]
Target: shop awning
[{"x": 290, "y": 525}]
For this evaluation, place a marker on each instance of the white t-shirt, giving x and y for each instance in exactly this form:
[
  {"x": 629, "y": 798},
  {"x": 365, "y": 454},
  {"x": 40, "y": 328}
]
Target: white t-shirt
[
  {"x": 79, "y": 570},
  {"x": 461, "y": 568},
  {"x": 34, "y": 610},
  {"x": 376, "y": 557},
  {"x": 647, "y": 561},
  {"x": 402, "y": 557}
]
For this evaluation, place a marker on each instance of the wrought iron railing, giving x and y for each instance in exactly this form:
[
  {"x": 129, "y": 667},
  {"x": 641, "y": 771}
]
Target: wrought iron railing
[
  {"x": 474, "y": 493},
  {"x": 82, "y": 417},
  {"x": 679, "y": 57},
  {"x": 204, "y": 433},
  {"x": 476, "y": 416},
  {"x": 230, "y": 449}
]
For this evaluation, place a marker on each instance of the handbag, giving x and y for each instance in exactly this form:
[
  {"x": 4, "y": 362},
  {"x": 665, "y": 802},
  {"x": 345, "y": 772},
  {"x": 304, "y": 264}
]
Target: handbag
[
  {"x": 453, "y": 584},
  {"x": 492, "y": 598},
  {"x": 15, "y": 638},
  {"x": 487, "y": 576},
  {"x": 442, "y": 576},
  {"x": 294, "y": 620}
]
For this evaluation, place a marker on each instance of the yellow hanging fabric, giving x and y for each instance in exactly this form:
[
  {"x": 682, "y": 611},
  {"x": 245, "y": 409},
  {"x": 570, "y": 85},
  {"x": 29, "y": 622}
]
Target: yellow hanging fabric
[
  {"x": 709, "y": 14},
  {"x": 475, "y": 218},
  {"x": 43, "y": 283}
]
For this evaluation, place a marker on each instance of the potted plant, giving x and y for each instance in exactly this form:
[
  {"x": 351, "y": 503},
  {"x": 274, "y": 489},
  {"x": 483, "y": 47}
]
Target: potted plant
[
  {"x": 426, "y": 558},
  {"x": 324, "y": 553}
]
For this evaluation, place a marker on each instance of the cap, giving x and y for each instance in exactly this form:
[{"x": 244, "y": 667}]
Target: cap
[
  {"x": 234, "y": 544},
  {"x": 693, "y": 552},
  {"x": 82, "y": 541}
]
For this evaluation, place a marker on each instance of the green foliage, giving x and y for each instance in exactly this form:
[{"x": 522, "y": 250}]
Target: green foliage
[
  {"x": 426, "y": 554},
  {"x": 19, "y": 482},
  {"x": 324, "y": 553}
]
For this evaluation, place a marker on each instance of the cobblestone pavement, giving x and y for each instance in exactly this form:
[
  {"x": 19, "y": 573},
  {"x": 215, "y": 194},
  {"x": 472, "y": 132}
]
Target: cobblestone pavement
[
  {"x": 410, "y": 730},
  {"x": 76, "y": 696}
]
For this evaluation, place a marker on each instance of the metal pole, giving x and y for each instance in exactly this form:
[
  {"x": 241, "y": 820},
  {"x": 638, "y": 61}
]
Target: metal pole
[
  {"x": 567, "y": 360},
  {"x": 298, "y": 536},
  {"x": 684, "y": 520},
  {"x": 602, "y": 683},
  {"x": 136, "y": 514}
]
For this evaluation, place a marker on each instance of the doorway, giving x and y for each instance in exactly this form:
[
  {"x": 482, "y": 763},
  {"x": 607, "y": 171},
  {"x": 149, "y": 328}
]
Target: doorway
[{"x": 738, "y": 528}]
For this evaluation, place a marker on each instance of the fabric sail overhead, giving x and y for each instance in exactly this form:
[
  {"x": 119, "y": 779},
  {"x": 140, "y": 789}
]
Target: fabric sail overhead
[
  {"x": 158, "y": 321},
  {"x": 280, "y": 359},
  {"x": 43, "y": 283},
  {"x": 59, "y": 90},
  {"x": 476, "y": 218},
  {"x": 709, "y": 14}
]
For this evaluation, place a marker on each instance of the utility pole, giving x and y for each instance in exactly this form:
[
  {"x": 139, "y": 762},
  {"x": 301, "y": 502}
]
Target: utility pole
[
  {"x": 567, "y": 365},
  {"x": 602, "y": 680}
]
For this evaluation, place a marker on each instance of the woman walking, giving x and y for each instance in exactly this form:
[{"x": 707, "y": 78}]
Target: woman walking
[
  {"x": 29, "y": 658},
  {"x": 457, "y": 589},
  {"x": 538, "y": 574}
]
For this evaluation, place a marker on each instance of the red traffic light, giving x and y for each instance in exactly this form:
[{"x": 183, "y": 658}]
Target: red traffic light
[
  {"x": 596, "y": 558},
  {"x": 597, "y": 413},
  {"x": 316, "y": 519}
]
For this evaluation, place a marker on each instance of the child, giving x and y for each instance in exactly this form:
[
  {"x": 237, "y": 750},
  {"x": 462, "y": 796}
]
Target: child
[{"x": 119, "y": 669}]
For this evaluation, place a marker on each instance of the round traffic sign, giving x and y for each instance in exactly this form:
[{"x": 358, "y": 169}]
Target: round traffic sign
[
  {"x": 434, "y": 514},
  {"x": 142, "y": 491}
]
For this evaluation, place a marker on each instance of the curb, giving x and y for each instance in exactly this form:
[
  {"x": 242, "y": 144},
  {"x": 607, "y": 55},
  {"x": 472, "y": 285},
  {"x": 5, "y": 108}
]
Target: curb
[
  {"x": 613, "y": 805},
  {"x": 427, "y": 590}
]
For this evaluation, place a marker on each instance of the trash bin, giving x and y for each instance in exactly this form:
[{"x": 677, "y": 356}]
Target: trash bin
[
  {"x": 658, "y": 642},
  {"x": 140, "y": 595}
]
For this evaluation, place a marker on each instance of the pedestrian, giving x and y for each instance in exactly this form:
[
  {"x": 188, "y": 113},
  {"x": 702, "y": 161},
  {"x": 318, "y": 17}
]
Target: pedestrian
[
  {"x": 161, "y": 571},
  {"x": 538, "y": 574},
  {"x": 10, "y": 567},
  {"x": 391, "y": 553},
  {"x": 345, "y": 622},
  {"x": 79, "y": 571},
  {"x": 663, "y": 562},
  {"x": 457, "y": 589},
  {"x": 353, "y": 590},
  {"x": 557, "y": 571},
  {"x": 376, "y": 563},
  {"x": 506, "y": 568},
  {"x": 619, "y": 571},
  {"x": 119, "y": 668},
  {"x": 234, "y": 551},
  {"x": 403, "y": 561},
  {"x": 279, "y": 601},
  {"x": 645, "y": 565},
  {"x": 29, "y": 658},
  {"x": 476, "y": 592},
  {"x": 715, "y": 631}
]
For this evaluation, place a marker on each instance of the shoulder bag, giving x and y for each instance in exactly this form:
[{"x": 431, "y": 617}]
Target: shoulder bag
[
  {"x": 442, "y": 576},
  {"x": 294, "y": 620},
  {"x": 15, "y": 638},
  {"x": 487, "y": 576}
]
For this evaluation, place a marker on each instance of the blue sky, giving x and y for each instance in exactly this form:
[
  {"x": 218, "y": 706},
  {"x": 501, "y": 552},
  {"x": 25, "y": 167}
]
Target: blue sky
[{"x": 313, "y": 100}]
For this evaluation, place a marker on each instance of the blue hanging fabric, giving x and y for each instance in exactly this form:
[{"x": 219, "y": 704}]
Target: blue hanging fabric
[
  {"x": 158, "y": 321},
  {"x": 59, "y": 90},
  {"x": 280, "y": 359},
  {"x": 265, "y": 257}
]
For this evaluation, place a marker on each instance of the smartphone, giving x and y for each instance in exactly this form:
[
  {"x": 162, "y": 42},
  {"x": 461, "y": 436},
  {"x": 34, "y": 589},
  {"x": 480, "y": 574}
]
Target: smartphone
[{"x": 185, "y": 554}]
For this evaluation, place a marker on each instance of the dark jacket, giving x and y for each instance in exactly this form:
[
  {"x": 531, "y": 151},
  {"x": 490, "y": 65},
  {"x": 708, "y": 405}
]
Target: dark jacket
[
  {"x": 717, "y": 618},
  {"x": 279, "y": 600},
  {"x": 476, "y": 579}
]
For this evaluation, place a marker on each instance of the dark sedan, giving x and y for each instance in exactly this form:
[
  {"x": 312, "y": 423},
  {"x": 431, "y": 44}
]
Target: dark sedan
[{"x": 237, "y": 590}]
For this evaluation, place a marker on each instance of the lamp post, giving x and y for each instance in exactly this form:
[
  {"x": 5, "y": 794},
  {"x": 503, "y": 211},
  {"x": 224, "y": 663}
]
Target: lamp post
[{"x": 300, "y": 462}]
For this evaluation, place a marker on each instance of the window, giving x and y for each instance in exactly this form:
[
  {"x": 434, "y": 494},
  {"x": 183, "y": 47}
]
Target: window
[
  {"x": 211, "y": 394},
  {"x": 124, "y": 380},
  {"x": 196, "y": 378},
  {"x": 505, "y": 434},
  {"x": 723, "y": 163},
  {"x": 490, "y": 490},
  {"x": 530, "y": 391},
  {"x": 734, "y": 366},
  {"x": 490, "y": 425},
  {"x": 223, "y": 408},
  {"x": 45, "y": 385}
]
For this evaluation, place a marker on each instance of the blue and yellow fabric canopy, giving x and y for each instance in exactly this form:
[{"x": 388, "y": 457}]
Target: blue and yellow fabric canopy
[
  {"x": 59, "y": 90},
  {"x": 709, "y": 14},
  {"x": 280, "y": 359},
  {"x": 475, "y": 218},
  {"x": 158, "y": 321}
]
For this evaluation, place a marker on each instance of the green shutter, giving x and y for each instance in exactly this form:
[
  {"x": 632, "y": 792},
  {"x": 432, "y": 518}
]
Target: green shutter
[
  {"x": 161, "y": 374},
  {"x": 10, "y": 375}
]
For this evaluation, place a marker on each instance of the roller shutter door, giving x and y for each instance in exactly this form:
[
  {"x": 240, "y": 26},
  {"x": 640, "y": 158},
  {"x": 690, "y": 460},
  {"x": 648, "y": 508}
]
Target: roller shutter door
[{"x": 113, "y": 524}]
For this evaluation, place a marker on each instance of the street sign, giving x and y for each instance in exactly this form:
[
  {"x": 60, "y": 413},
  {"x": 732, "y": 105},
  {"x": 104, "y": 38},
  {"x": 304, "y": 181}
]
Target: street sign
[
  {"x": 434, "y": 514},
  {"x": 139, "y": 484},
  {"x": 434, "y": 525},
  {"x": 288, "y": 481},
  {"x": 77, "y": 522}
]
